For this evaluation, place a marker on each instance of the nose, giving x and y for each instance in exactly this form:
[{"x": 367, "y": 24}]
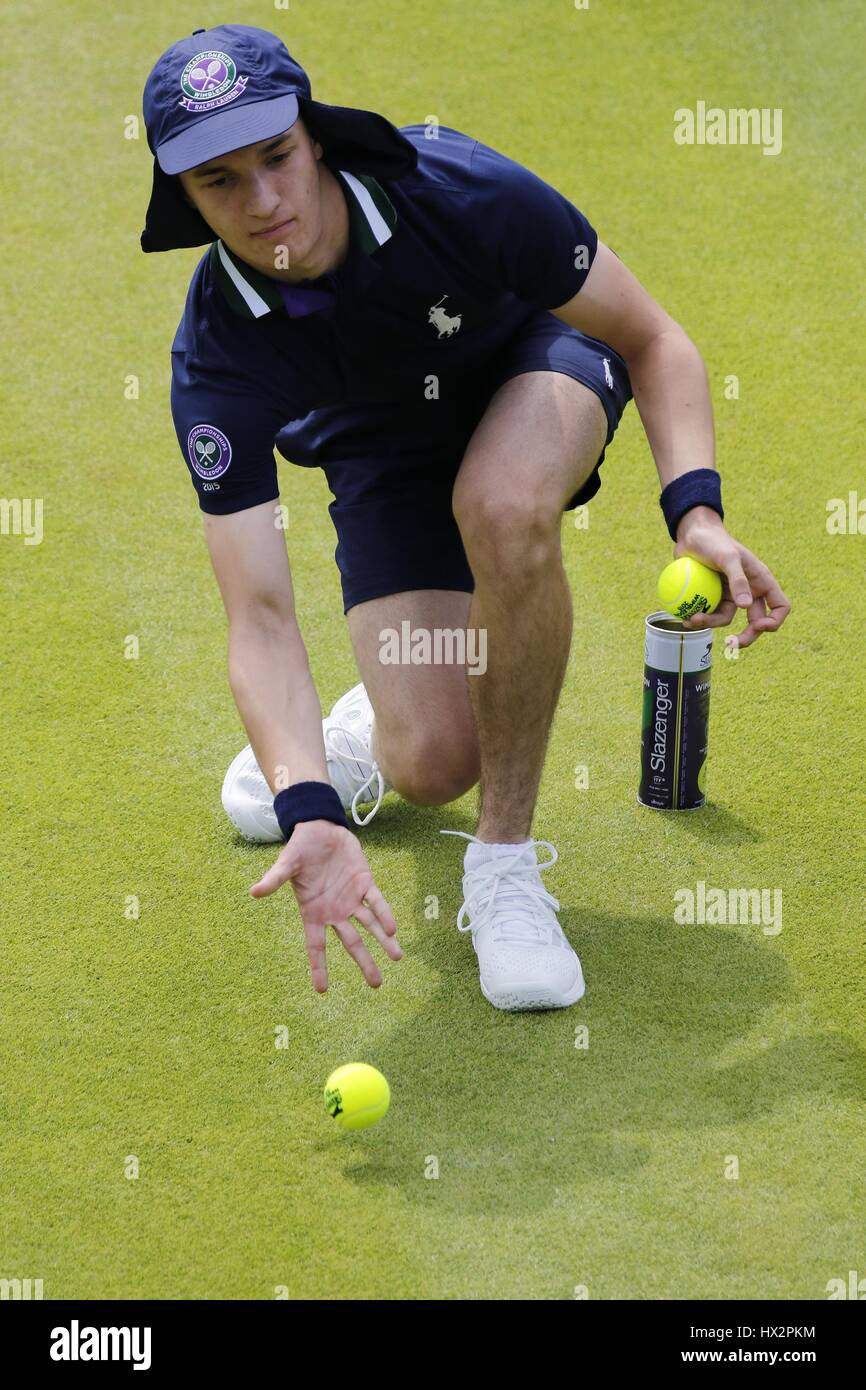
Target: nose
[{"x": 262, "y": 198}]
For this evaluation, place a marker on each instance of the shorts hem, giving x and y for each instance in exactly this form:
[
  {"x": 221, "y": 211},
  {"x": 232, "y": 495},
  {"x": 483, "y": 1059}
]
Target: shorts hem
[
  {"x": 609, "y": 404},
  {"x": 385, "y": 587}
]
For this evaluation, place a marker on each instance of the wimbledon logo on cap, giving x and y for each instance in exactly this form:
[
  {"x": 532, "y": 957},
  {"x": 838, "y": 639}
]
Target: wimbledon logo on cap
[
  {"x": 208, "y": 80},
  {"x": 209, "y": 451}
]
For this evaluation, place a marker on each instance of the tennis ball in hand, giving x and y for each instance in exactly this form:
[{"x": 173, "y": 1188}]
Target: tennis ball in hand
[
  {"x": 686, "y": 587},
  {"x": 356, "y": 1095}
]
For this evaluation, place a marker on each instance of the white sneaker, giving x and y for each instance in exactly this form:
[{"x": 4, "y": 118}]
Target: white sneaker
[
  {"x": 524, "y": 958},
  {"x": 348, "y": 732},
  {"x": 248, "y": 800}
]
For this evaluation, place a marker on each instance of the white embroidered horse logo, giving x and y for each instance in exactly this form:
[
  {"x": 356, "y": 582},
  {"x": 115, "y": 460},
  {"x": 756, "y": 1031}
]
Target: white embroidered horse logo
[
  {"x": 607, "y": 376},
  {"x": 443, "y": 321}
]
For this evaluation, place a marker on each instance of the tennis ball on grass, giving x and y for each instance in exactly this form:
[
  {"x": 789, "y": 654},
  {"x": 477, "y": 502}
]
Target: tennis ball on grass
[
  {"x": 356, "y": 1095},
  {"x": 686, "y": 587}
]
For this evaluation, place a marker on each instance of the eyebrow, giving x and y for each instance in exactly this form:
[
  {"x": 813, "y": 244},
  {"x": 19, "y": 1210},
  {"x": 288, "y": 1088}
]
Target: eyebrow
[{"x": 209, "y": 169}]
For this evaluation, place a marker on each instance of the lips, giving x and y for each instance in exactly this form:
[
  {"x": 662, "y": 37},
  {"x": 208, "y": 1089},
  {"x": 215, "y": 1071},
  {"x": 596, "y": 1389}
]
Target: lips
[{"x": 275, "y": 232}]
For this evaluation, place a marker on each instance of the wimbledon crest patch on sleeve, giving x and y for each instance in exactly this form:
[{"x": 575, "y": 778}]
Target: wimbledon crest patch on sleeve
[{"x": 208, "y": 451}]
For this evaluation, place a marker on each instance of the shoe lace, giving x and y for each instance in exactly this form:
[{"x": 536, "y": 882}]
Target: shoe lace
[
  {"x": 507, "y": 890},
  {"x": 355, "y": 763}
]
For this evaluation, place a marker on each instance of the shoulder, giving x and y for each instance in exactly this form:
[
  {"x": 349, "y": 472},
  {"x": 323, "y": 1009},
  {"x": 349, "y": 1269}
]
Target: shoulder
[
  {"x": 474, "y": 190},
  {"x": 220, "y": 361},
  {"x": 496, "y": 217},
  {"x": 444, "y": 158},
  {"x": 450, "y": 160},
  {"x": 217, "y": 347}
]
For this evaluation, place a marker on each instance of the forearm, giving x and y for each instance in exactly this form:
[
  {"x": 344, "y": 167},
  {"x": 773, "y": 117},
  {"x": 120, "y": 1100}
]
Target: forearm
[
  {"x": 273, "y": 688},
  {"x": 671, "y": 391}
]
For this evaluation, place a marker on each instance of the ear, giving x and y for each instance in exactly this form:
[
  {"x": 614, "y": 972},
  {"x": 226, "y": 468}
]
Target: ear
[{"x": 305, "y": 128}]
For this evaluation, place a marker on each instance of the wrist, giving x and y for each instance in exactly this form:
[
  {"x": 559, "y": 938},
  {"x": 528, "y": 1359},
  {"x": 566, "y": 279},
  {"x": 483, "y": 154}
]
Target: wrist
[
  {"x": 308, "y": 801},
  {"x": 328, "y": 826},
  {"x": 699, "y": 516},
  {"x": 699, "y": 488}
]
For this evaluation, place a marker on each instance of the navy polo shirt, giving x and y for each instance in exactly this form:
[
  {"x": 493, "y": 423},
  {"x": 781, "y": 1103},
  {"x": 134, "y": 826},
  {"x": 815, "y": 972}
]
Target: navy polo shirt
[{"x": 443, "y": 266}]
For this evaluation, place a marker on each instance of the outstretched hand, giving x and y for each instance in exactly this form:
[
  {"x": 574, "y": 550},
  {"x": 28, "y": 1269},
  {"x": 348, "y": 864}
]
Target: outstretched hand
[{"x": 332, "y": 882}]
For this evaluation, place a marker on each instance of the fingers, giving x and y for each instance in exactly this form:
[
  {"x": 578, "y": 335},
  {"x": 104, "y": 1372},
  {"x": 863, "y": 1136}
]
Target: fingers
[
  {"x": 375, "y": 900},
  {"x": 315, "y": 939},
  {"x": 349, "y": 935},
  {"x": 387, "y": 941},
  {"x": 721, "y": 552},
  {"x": 351, "y": 939},
  {"x": 778, "y": 603},
  {"x": 724, "y": 614},
  {"x": 278, "y": 874},
  {"x": 313, "y": 894},
  {"x": 738, "y": 584},
  {"x": 768, "y": 596},
  {"x": 762, "y": 621},
  {"x": 756, "y": 615},
  {"x": 759, "y": 621},
  {"x": 766, "y": 586},
  {"x": 767, "y": 609},
  {"x": 376, "y": 916}
]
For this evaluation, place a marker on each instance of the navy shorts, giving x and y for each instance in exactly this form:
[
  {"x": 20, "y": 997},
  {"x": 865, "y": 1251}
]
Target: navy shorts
[{"x": 392, "y": 476}]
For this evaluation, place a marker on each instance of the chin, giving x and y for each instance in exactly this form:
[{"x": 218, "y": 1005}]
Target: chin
[{"x": 266, "y": 251}]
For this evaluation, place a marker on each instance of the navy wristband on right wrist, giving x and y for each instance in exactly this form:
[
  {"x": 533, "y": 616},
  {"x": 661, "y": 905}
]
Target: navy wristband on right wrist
[
  {"x": 308, "y": 801},
  {"x": 702, "y": 487}
]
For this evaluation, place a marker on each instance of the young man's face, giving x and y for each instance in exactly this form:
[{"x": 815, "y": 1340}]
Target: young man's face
[{"x": 263, "y": 197}]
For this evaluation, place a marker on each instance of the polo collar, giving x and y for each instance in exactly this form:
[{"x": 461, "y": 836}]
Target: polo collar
[{"x": 252, "y": 295}]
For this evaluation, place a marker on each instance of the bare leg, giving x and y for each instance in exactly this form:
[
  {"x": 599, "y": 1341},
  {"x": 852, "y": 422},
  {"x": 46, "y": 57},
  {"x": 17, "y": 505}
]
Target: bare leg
[
  {"x": 424, "y": 736},
  {"x": 539, "y": 439},
  {"x": 528, "y": 639}
]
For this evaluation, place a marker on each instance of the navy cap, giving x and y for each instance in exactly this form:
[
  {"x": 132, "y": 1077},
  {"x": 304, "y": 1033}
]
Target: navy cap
[{"x": 233, "y": 85}]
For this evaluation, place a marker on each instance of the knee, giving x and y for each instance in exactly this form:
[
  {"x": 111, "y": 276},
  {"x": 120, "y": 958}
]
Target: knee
[
  {"x": 508, "y": 534},
  {"x": 434, "y": 772}
]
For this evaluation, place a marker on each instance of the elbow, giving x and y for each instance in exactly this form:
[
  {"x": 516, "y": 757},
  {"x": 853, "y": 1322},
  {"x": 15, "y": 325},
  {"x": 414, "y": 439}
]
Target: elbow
[
  {"x": 670, "y": 337},
  {"x": 257, "y": 631},
  {"x": 266, "y": 613}
]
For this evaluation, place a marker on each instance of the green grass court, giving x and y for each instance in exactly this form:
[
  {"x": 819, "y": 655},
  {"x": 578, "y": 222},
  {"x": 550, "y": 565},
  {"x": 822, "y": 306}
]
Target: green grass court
[{"x": 559, "y": 1166}]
